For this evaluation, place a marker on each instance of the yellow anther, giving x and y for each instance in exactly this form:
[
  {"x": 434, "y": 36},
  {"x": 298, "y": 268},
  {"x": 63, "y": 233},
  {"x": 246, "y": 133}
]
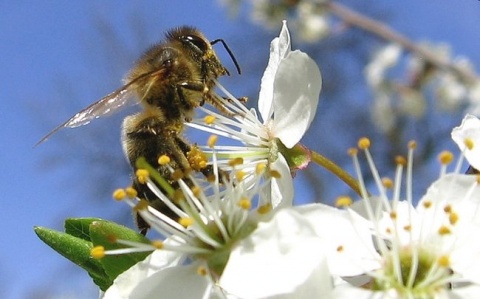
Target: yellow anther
[
  {"x": 444, "y": 261},
  {"x": 427, "y": 204},
  {"x": 163, "y": 160},
  {"x": 388, "y": 230},
  {"x": 445, "y": 157},
  {"x": 340, "y": 248},
  {"x": 412, "y": 144},
  {"x": 387, "y": 183},
  {"x": 240, "y": 175},
  {"x": 157, "y": 244},
  {"x": 142, "y": 205},
  {"x": 177, "y": 175},
  {"x": 352, "y": 151},
  {"x": 212, "y": 140},
  {"x": 235, "y": 162},
  {"x": 478, "y": 178},
  {"x": 131, "y": 192},
  {"x": 185, "y": 221},
  {"x": 209, "y": 119},
  {"x": 264, "y": 209},
  {"x": 400, "y": 160},
  {"x": 447, "y": 209},
  {"x": 245, "y": 203},
  {"x": 260, "y": 168},
  {"x": 443, "y": 230},
  {"x": 142, "y": 175},
  {"x": 275, "y": 174},
  {"x": 363, "y": 143},
  {"x": 178, "y": 195},
  {"x": 196, "y": 191},
  {"x": 119, "y": 194},
  {"x": 407, "y": 228},
  {"x": 343, "y": 201},
  {"x": 211, "y": 178},
  {"x": 453, "y": 218},
  {"x": 97, "y": 252},
  {"x": 393, "y": 215},
  {"x": 469, "y": 143},
  {"x": 202, "y": 271}
]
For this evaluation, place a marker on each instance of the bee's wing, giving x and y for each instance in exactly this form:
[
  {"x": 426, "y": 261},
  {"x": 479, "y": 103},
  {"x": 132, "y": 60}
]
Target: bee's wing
[
  {"x": 108, "y": 104},
  {"x": 105, "y": 106}
]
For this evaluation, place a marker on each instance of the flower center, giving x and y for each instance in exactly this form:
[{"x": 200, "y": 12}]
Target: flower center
[
  {"x": 414, "y": 271},
  {"x": 218, "y": 256}
]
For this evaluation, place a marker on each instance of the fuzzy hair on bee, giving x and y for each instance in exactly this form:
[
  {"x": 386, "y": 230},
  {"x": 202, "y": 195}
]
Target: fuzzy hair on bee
[{"x": 169, "y": 81}]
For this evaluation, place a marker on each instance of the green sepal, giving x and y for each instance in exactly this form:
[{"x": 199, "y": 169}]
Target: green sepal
[
  {"x": 102, "y": 232},
  {"x": 298, "y": 157},
  {"x": 76, "y": 250},
  {"x": 79, "y": 227},
  {"x": 82, "y": 234}
]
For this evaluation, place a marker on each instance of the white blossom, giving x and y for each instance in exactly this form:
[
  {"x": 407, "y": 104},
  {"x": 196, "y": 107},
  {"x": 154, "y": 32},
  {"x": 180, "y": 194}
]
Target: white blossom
[
  {"x": 287, "y": 103},
  {"x": 427, "y": 250},
  {"x": 467, "y": 137}
]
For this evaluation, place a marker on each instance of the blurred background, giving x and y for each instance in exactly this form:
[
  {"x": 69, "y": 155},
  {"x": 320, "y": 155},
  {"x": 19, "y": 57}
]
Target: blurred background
[{"x": 58, "y": 57}]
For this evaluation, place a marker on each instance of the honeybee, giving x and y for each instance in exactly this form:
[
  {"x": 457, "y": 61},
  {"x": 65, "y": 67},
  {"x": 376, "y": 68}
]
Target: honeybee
[
  {"x": 472, "y": 170},
  {"x": 170, "y": 80}
]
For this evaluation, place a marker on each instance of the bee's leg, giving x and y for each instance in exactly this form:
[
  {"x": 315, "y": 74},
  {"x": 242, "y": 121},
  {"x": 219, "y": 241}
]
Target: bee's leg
[
  {"x": 195, "y": 86},
  {"x": 472, "y": 170},
  {"x": 242, "y": 100},
  {"x": 207, "y": 96},
  {"x": 145, "y": 193},
  {"x": 147, "y": 137}
]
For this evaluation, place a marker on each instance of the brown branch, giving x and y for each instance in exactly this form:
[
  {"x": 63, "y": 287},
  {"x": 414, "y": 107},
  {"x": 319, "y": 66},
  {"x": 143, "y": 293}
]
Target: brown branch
[{"x": 382, "y": 30}]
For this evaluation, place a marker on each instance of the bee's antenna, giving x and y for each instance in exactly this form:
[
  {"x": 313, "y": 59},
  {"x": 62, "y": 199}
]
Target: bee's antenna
[{"x": 229, "y": 53}]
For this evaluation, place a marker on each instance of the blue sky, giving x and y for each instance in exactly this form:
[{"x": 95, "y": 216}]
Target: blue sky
[{"x": 53, "y": 63}]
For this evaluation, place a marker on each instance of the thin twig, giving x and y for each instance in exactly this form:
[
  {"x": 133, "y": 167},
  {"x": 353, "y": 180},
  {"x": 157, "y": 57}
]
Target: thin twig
[
  {"x": 336, "y": 170},
  {"x": 382, "y": 30}
]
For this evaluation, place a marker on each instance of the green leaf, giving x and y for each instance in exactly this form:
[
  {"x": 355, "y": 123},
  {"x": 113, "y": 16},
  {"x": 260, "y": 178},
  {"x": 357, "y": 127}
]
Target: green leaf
[
  {"x": 102, "y": 232},
  {"x": 76, "y": 250},
  {"x": 79, "y": 227}
]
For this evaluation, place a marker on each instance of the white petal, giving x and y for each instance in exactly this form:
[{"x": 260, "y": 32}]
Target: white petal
[
  {"x": 284, "y": 46},
  {"x": 295, "y": 97},
  {"x": 470, "y": 291},
  {"x": 470, "y": 128},
  {"x": 383, "y": 59},
  {"x": 407, "y": 216},
  {"x": 181, "y": 282},
  {"x": 463, "y": 244},
  {"x": 279, "y": 49},
  {"x": 465, "y": 258},
  {"x": 347, "y": 237},
  {"x": 282, "y": 258},
  {"x": 281, "y": 188},
  {"x": 349, "y": 291},
  {"x": 128, "y": 280}
]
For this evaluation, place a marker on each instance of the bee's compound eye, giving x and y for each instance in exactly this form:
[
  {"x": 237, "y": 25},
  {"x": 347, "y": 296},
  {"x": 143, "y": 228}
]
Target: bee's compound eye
[{"x": 198, "y": 42}]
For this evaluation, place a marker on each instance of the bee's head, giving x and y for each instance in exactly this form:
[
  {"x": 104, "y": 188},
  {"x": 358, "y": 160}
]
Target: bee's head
[{"x": 201, "y": 49}]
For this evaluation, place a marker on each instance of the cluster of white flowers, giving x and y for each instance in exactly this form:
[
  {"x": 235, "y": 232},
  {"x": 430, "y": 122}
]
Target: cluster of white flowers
[
  {"x": 310, "y": 20},
  {"x": 384, "y": 246},
  {"x": 394, "y": 96}
]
